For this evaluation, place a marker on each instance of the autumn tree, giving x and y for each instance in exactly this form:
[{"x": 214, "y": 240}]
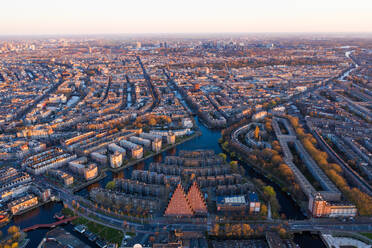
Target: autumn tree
[
  {"x": 276, "y": 159},
  {"x": 282, "y": 232},
  {"x": 256, "y": 133},
  {"x": 152, "y": 122},
  {"x": 216, "y": 229},
  {"x": 286, "y": 172},
  {"x": 13, "y": 229},
  {"x": 268, "y": 125},
  {"x": 152, "y": 239},
  {"x": 246, "y": 228},
  {"x": 263, "y": 210},
  {"x": 236, "y": 229}
]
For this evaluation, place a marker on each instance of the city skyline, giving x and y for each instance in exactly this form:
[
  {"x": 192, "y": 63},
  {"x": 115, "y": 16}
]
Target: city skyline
[{"x": 40, "y": 17}]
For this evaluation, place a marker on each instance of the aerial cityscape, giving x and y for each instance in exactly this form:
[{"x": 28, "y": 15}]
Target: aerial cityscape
[{"x": 185, "y": 139}]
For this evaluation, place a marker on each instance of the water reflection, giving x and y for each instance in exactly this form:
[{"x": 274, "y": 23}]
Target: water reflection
[
  {"x": 172, "y": 151},
  {"x": 158, "y": 158},
  {"x": 93, "y": 186},
  {"x": 139, "y": 166},
  {"x": 119, "y": 175},
  {"x": 21, "y": 218}
]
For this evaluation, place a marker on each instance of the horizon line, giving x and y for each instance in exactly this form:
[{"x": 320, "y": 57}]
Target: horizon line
[{"x": 191, "y": 33}]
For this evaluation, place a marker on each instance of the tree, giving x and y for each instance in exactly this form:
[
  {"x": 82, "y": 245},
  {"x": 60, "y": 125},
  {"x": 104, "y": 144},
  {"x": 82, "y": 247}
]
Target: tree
[
  {"x": 263, "y": 210},
  {"x": 236, "y": 229},
  {"x": 216, "y": 229},
  {"x": 192, "y": 177},
  {"x": 13, "y": 229},
  {"x": 152, "y": 121},
  {"x": 276, "y": 159},
  {"x": 294, "y": 121},
  {"x": 268, "y": 126},
  {"x": 223, "y": 156},
  {"x": 256, "y": 132},
  {"x": 234, "y": 166},
  {"x": 128, "y": 207},
  {"x": 282, "y": 232},
  {"x": 16, "y": 235},
  {"x": 152, "y": 239},
  {"x": 286, "y": 172},
  {"x": 228, "y": 230},
  {"x": 110, "y": 185},
  {"x": 335, "y": 167},
  {"x": 269, "y": 191},
  {"x": 233, "y": 163},
  {"x": 246, "y": 229}
]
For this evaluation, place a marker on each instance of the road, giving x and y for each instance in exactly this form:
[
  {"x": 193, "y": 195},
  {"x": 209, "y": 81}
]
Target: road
[{"x": 153, "y": 92}]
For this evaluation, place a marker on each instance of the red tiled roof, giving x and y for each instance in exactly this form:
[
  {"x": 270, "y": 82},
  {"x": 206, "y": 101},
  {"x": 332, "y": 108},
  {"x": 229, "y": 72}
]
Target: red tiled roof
[
  {"x": 196, "y": 199},
  {"x": 179, "y": 204}
]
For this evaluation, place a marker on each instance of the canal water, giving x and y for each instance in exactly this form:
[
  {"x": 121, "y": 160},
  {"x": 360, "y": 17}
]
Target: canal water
[{"x": 42, "y": 215}]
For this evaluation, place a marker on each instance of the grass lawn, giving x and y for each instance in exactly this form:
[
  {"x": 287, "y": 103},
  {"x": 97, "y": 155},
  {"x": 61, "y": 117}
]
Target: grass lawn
[
  {"x": 368, "y": 235},
  {"x": 109, "y": 234}
]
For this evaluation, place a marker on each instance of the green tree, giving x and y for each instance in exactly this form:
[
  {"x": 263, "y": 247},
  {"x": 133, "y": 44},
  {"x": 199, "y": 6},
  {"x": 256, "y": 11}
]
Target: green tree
[
  {"x": 223, "y": 156},
  {"x": 269, "y": 191},
  {"x": 110, "y": 185}
]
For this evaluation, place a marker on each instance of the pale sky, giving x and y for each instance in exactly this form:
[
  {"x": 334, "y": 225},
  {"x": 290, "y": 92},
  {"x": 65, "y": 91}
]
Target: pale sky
[{"x": 183, "y": 16}]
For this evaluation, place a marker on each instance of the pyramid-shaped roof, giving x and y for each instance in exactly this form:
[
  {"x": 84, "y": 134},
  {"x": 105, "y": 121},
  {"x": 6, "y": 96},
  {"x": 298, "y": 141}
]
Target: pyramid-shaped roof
[
  {"x": 178, "y": 204},
  {"x": 196, "y": 199}
]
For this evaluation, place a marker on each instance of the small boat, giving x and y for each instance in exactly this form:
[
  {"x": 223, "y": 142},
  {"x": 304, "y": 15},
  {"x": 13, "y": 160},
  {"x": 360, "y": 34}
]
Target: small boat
[{"x": 59, "y": 216}]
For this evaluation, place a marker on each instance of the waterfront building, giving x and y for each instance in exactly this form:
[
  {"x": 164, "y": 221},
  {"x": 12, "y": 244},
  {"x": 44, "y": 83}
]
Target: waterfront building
[
  {"x": 67, "y": 179},
  {"x": 136, "y": 150},
  {"x": 99, "y": 158},
  {"x": 88, "y": 172},
  {"x": 319, "y": 207},
  {"x": 51, "y": 159},
  {"x": 156, "y": 145},
  {"x": 13, "y": 192},
  {"x": 116, "y": 159},
  {"x": 22, "y": 204},
  {"x": 10, "y": 178},
  {"x": 141, "y": 141},
  {"x": 169, "y": 136}
]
